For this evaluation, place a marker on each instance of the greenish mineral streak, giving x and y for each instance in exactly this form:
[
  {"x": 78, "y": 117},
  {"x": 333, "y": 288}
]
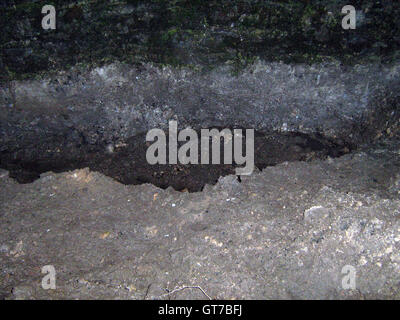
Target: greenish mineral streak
[{"x": 197, "y": 34}]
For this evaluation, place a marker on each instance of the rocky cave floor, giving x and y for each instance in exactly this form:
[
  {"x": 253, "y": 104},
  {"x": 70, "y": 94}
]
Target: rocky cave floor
[{"x": 284, "y": 232}]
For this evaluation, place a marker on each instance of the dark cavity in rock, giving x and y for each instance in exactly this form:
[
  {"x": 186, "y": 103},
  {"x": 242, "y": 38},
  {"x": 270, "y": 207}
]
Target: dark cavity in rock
[{"x": 126, "y": 162}]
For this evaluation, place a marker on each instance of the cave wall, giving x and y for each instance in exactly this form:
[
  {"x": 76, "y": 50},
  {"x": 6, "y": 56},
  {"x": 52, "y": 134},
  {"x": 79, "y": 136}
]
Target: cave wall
[
  {"x": 197, "y": 34},
  {"x": 115, "y": 69}
]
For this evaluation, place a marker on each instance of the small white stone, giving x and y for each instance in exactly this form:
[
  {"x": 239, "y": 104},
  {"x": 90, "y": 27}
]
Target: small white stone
[
  {"x": 316, "y": 213},
  {"x": 363, "y": 261},
  {"x": 3, "y": 174},
  {"x": 110, "y": 148},
  {"x": 389, "y": 250}
]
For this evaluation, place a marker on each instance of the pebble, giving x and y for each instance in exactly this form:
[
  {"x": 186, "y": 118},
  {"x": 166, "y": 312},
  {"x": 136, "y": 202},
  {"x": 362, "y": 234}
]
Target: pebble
[{"x": 4, "y": 174}]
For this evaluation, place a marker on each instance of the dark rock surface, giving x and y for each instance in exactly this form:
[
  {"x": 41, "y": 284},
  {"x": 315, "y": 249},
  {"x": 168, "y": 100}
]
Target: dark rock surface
[
  {"x": 199, "y": 34},
  {"x": 117, "y": 101}
]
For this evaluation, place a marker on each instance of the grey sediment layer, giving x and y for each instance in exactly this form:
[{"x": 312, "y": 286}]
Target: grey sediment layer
[{"x": 111, "y": 103}]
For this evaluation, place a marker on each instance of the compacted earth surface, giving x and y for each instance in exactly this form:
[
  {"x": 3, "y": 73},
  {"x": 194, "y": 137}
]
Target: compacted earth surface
[{"x": 284, "y": 232}]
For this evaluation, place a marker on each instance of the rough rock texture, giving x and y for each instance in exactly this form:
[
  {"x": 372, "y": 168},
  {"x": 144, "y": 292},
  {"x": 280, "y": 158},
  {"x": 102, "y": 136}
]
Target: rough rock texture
[
  {"x": 285, "y": 232},
  {"x": 112, "y": 103},
  {"x": 115, "y": 69},
  {"x": 200, "y": 34}
]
